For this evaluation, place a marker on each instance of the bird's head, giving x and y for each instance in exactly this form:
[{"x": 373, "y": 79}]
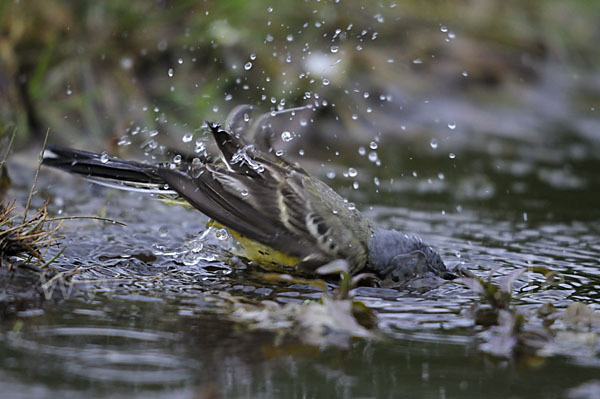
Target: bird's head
[{"x": 400, "y": 257}]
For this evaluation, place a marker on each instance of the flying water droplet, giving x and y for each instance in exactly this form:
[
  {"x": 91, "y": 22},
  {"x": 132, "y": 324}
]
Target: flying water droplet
[
  {"x": 433, "y": 143},
  {"x": 352, "y": 172},
  {"x": 170, "y": 72},
  {"x": 124, "y": 141},
  {"x": 221, "y": 234},
  {"x": 248, "y": 66},
  {"x": 451, "y": 155},
  {"x": 452, "y": 125},
  {"x": 163, "y": 231}
]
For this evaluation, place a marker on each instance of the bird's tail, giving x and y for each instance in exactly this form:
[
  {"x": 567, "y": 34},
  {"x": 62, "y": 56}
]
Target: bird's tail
[{"x": 108, "y": 171}]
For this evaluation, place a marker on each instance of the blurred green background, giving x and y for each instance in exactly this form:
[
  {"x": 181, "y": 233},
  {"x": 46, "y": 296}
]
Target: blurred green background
[{"x": 94, "y": 72}]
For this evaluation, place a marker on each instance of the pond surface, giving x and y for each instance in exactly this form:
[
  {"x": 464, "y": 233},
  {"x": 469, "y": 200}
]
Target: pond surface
[{"x": 148, "y": 316}]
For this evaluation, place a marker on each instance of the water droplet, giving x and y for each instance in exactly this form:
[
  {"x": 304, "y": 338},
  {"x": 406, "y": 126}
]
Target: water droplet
[
  {"x": 177, "y": 159},
  {"x": 228, "y": 97},
  {"x": 414, "y": 173},
  {"x": 354, "y": 116},
  {"x": 244, "y": 193},
  {"x": 180, "y": 61},
  {"x": 465, "y": 74},
  {"x": 303, "y": 122},
  {"x": 331, "y": 174},
  {"x": 433, "y": 143},
  {"x": 325, "y": 82},
  {"x": 417, "y": 61},
  {"x": 373, "y": 156},
  {"x": 355, "y": 185},
  {"x": 362, "y": 151},
  {"x": 279, "y": 153},
  {"x": 452, "y": 125},
  {"x": 170, "y": 72},
  {"x": 376, "y": 181},
  {"x": 248, "y": 66},
  {"x": 163, "y": 231},
  {"x": 123, "y": 141},
  {"x": 373, "y": 145},
  {"x": 351, "y": 206},
  {"x": 334, "y": 49},
  {"x": 221, "y": 234},
  {"x": 352, "y": 172},
  {"x": 286, "y": 136},
  {"x": 252, "y": 56},
  {"x": 441, "y": 176},
  {"x": 126, "y": 63},
  {"x": 187, "y": 137},
  {"x": 269, "y": 38},
  {"x": 443, "y": 28},
  {"x": 69, "y": 92},
  {"x": 301, "y": 152},
  {"x": 451, "y": 155},
  {"x": 289, "y": 38},
  {"x": 104, "y": 158},
  {"x": 366, "y": 94}
]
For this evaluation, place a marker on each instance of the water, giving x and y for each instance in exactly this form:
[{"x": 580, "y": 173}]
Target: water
[{"x": 143, "y": 321}]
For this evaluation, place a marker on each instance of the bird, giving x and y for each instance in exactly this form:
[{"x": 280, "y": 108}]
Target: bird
[{"x": 284, "y": 218}]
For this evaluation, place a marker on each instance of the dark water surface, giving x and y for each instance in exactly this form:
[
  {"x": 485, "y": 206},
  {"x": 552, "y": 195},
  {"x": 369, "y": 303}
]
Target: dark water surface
[{"x": 147, "y": 317}]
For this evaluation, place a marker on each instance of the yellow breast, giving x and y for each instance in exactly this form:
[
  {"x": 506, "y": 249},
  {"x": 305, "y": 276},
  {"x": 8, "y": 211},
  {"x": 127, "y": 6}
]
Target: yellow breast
[{"x": 267, "y": 257}]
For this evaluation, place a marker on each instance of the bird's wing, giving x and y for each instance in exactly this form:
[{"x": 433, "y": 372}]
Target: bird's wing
[{"x": 275, "y": 204}]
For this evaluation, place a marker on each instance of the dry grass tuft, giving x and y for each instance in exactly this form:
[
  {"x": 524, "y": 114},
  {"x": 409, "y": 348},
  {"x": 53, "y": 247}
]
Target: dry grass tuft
[{"x": 27, "y": 240}]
